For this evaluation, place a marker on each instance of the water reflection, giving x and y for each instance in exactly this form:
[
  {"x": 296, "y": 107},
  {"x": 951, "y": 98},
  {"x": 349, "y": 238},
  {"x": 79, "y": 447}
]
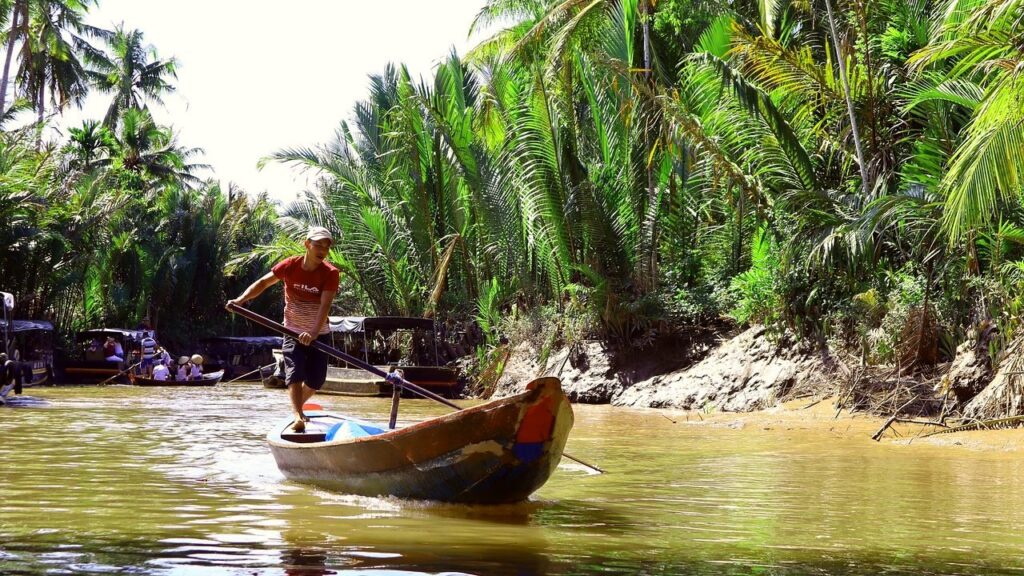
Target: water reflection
[{"x": 305, "y": 562}]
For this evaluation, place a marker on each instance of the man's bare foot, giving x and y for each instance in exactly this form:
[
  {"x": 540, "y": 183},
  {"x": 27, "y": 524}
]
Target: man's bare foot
[{"x": 299, "y": 425}]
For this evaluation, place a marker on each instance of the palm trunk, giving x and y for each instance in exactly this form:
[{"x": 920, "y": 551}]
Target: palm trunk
[
  {"x": 865, "y": 185},
  {"x": 42, "y": 108},
  {"x": 650, "y": 280},
  {"x": 41, "y": 101},
  {"x": 11, "y": 38}
]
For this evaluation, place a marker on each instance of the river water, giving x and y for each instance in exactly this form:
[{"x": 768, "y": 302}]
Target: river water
[{"x": 101, "y": 480}]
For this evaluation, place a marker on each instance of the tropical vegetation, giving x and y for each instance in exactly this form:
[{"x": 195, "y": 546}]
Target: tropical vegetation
[{"x": 839, "y": 170}]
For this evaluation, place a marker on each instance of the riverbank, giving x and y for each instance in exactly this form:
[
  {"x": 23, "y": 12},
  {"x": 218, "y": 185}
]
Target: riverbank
[
  {"x": 802, "y": 418},
  {"x": 733, "y": 371},
  {"x": 746, "y": 377}
]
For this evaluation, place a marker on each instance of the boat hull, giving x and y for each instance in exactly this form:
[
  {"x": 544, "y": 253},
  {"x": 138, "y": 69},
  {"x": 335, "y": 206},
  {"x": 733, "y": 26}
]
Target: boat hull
[
  {"x": 495, "y": 453},
  {"x": 357, "y": 382},
  {"x": 91, "y": 371},
  {"x": 36, "y": 374}
]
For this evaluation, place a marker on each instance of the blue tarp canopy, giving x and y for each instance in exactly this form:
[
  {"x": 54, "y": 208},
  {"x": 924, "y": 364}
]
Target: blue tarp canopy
[
  {"x": 352, "y": 324},
  {"x": 26, "y": 325}
]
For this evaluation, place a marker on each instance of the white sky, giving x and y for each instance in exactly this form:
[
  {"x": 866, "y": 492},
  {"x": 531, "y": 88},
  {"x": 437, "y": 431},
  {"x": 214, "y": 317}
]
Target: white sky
[{"x": 256, "y": 76}]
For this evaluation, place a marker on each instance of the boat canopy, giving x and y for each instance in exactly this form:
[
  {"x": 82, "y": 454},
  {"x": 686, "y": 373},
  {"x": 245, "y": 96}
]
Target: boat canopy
[
  {"x": 26, "y": 326},
  {"x": 121, "y": 333},
  {"x": 353, "y": 324},
  {"x": 271, "y": 341}
]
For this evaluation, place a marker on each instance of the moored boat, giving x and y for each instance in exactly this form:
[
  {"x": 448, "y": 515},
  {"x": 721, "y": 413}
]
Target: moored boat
[
  {"x": 88, "y": 364},
  {"x": 493, "y": 453},
  {"x": 405, "y": 342},
  {"x": 243, "y": 358},
  {"x": 208, "y": 379},
  {"x": 31, "y": 347}
]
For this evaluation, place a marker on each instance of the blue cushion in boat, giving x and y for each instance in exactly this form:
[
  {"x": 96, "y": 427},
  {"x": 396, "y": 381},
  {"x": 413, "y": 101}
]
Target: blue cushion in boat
[{"x": 347, "y": 430}]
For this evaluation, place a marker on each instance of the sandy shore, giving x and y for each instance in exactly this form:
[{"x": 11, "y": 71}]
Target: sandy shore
[{"x": 821, "y": 418}]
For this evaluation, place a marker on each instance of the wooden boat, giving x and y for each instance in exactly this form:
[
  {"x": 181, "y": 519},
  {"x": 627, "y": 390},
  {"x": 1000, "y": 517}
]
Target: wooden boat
[
  {"x": 33, "y": 341},
  {"x": 208, "y": 379},
  {"x": 358, "y": 382},
  {"x": 239, "y": 356},
  {"x": 376, "y": 340},
  {"x": 87, "y": 364},
  {"x": 494, "y": 453}
]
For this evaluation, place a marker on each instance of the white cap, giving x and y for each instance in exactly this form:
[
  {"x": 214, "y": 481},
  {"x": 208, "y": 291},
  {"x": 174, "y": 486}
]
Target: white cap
[{"x": 319, "y": 233}]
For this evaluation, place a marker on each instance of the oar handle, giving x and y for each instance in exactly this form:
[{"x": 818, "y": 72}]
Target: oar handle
[
  {"x": 119, "y": 373},
  {"x": 332, "y": 351},
  {"x": 260, "y": 370}
]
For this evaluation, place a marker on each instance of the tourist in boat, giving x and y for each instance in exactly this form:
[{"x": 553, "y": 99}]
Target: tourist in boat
[
  {"x": 196, "y": 367},
  {"x": 112, "y": 350},
  {"x": 310, "y": 283},
  {"x": 160, "y": 371},
  {"x": 182, "y": 373},
  {"x": 147, "y": 349}
]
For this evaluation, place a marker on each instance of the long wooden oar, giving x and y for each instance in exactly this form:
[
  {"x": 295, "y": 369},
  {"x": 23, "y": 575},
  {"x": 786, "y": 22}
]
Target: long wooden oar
[
  {"x": 119, "y": 373},
  {"x": 260, "y": 370},
  {"x": 392, "y": 377}
]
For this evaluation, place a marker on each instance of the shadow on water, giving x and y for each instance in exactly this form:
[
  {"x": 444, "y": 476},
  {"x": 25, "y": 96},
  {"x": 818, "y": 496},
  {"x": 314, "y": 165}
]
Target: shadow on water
[{"x": 24, "y": 402}]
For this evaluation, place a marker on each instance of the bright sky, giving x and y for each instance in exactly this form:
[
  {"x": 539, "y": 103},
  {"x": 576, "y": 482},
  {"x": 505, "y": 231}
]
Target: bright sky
[{"x": 257, "y": 76}]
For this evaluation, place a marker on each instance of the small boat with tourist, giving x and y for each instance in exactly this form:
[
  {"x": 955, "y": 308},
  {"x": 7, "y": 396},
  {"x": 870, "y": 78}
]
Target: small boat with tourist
[
  {"x": 407, "y": 343},
  {"x": 207, "y": 379},
  {"x": 494, "y": 453},
  {"x": 101, "y": 354}
]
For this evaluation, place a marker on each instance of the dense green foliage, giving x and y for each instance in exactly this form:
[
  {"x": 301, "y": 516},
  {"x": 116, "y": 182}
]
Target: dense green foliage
[
  {"x": 680, "y": 160},
  {"x": 844, "y": 169}
]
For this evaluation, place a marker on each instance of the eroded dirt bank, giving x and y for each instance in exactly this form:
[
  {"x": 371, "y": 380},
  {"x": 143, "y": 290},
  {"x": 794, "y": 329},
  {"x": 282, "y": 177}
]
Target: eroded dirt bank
[
  {"x": 745, "y": 377},
  {"x": 744, "y": 372}
]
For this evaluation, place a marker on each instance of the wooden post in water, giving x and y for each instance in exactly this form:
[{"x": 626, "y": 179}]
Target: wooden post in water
[{"x": 396, "y": 395}]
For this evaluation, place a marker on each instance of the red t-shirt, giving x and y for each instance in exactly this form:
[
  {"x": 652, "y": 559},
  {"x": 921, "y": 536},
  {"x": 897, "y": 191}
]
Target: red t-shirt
[{"x": 302, "y": 290}]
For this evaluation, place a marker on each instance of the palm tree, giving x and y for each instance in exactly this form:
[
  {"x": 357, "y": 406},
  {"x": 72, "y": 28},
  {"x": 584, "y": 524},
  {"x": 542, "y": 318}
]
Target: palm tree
[
  {"x": 979, "y": 44},
  {"x": 18, "y": 12},
  {"x": 49, "y": 58},
  {"x": 87, "y": 144},
  {"x": 131, "y": 71},
  {"x": 147, "y": 155}
]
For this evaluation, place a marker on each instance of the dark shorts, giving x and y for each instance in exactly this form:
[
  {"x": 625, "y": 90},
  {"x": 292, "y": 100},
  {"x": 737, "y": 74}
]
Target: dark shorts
[
  {"x": 304, "y": 363},
  {"x": 146, "y": 363}
]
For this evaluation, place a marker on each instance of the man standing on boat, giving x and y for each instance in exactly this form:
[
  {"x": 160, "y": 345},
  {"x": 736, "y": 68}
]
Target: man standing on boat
[
  {"x": 148, "y": 354},
  {"x": 310, "y": 283}
]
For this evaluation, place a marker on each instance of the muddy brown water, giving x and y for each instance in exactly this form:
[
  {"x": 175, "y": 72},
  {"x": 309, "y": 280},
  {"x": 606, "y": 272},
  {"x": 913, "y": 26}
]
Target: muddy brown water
[{"x": 101, "y": 480}]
